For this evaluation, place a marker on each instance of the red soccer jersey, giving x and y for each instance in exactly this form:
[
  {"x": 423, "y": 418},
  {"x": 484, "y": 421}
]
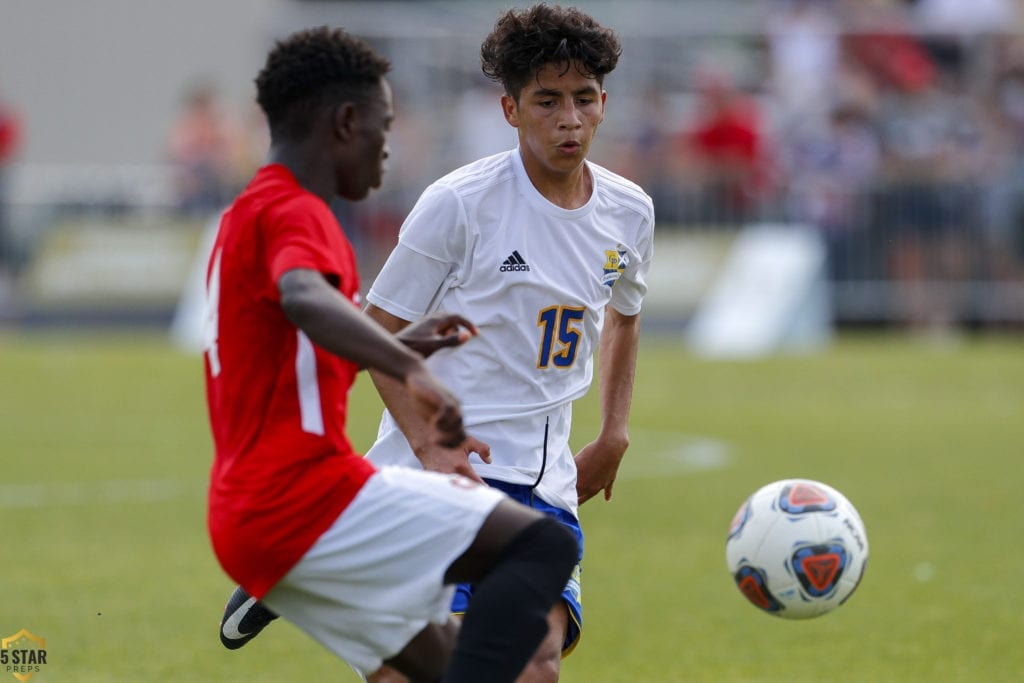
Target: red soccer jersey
[{"x": 283, "y": 469}]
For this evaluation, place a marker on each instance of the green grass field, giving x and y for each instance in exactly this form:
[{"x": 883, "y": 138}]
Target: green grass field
[{"x": 104, "y": 452}]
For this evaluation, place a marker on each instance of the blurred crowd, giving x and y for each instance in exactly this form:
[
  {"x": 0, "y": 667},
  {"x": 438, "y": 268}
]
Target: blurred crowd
[
  {"x": 10, "y": 141},
  {"x": 894, "y": 127},
  {"x": 213, "y": 148}
]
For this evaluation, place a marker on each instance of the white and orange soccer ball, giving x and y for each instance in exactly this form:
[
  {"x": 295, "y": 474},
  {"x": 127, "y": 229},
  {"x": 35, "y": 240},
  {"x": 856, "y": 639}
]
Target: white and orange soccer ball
[{"x": 797, "y": 548}]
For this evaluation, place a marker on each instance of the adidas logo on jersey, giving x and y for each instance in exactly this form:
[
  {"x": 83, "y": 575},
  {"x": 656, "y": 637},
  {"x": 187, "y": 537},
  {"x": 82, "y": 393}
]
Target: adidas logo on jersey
[{"x": 514, "y": 263}]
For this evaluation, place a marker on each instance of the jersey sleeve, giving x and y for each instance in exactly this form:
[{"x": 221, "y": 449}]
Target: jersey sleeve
[
  {"x": 629, "y": 291},
  {"x": 298, "y": 235},
  {"x": 431, "y": 248}
]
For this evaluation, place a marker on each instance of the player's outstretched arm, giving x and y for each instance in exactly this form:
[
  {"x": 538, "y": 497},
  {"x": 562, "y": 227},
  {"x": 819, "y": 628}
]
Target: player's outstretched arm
[
  {"x": 436, "y": 331},
  {"x": 598, "y": 462},
  {"x": 418, "y": 431},
  {"x": 334, "y": 324}
]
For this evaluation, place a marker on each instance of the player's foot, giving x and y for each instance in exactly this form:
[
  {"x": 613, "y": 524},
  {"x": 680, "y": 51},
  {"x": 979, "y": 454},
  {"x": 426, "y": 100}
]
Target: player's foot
[{"x": 244, "y": 618}]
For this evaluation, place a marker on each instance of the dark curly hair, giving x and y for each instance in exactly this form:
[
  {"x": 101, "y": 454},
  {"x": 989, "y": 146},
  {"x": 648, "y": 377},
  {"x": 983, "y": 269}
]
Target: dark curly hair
[
  {"x": 311, "y": 69},
  {"x": 525, "y": 40}
]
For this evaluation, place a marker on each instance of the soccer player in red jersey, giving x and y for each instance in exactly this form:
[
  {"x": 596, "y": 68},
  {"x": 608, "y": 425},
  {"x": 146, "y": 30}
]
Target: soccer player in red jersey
[{"x": 363, "y": 560}]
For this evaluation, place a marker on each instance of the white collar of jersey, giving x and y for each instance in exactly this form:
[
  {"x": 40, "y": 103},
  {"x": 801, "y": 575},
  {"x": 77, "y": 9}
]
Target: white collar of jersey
[{"x": 541, "y": 202}]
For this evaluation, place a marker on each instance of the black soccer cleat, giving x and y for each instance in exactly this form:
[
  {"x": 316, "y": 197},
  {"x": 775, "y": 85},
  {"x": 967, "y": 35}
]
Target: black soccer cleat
[{"x": 244, "y": 618}]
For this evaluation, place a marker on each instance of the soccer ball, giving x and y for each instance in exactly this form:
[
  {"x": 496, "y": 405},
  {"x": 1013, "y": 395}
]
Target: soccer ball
[{"x": 797, "y": 548}]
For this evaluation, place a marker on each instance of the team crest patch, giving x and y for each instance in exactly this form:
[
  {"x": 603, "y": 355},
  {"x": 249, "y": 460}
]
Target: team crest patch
[{"x": 615, "y": 262}]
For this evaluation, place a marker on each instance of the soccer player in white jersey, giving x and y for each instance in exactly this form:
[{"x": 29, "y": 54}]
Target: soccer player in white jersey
[{"x": 547, "y": 253}]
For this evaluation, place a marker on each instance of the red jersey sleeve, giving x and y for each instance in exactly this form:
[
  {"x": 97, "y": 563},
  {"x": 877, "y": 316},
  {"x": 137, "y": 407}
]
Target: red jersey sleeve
[{"x": 303, "y": 233}]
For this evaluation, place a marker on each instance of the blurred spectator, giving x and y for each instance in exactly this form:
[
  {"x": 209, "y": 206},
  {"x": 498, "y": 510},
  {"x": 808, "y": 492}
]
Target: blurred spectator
[
  {"x": 250, "y": 145},
  {"x": 481, "y": 124},
  {"x": 894, "y": 126},
  {"x": 803, "y": 39},
  {"x": 10, "y": 138},
  {"x": 641, "y": 154},
  {"x": 894, "y": 58},
  {"x": 957, "y": 17},
  {"x": 831, "y": 172},
  {"x": 203, "y": 146},
  {"x": 723, "y": 151},
  {"x": 927, "y": 210},
  {"x": 1005, "y": 198}
]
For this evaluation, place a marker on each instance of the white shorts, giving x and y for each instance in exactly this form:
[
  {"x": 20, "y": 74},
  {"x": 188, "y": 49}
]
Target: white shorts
[{"x": 374, "y": 580}]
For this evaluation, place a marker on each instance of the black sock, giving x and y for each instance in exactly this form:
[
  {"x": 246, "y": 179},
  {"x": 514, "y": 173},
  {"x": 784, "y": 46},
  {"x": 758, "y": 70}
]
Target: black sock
[{"x": 507, "y": 616}]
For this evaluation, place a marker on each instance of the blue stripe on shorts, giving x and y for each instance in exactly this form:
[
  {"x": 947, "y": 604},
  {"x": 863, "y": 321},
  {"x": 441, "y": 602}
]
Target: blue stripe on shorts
[{"x": 571, "y": 595}]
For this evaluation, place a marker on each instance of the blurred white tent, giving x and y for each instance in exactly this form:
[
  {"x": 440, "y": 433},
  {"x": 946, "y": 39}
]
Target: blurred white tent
[
  {"x": 187, "y": 325},
  {"x": 771, "y": 296}
]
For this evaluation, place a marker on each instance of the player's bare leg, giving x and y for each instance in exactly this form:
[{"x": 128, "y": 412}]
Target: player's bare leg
[
  {"x": 386, "y": 674},
  {"x": 543, "y": 667},
  {"x": 546, "y": 663},
  {"x": 425, "y": 657}
]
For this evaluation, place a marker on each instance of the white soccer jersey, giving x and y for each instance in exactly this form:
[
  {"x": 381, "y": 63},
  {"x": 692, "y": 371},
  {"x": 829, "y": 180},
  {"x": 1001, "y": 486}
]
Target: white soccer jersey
[{"x": 535, "y": 278}]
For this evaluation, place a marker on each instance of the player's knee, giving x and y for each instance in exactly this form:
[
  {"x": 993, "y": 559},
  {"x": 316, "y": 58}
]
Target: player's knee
[
  {"x": 559, "y": 545},
  {"x": 550, "y": 549}
]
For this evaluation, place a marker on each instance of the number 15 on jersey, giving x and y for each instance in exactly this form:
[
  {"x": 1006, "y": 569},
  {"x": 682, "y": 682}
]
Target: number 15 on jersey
[{"x": 560, "y": 335}]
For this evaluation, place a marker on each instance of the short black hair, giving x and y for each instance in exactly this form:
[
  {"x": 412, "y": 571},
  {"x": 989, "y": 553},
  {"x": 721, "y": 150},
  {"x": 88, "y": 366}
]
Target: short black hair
[
  {"x": 314, "y": 68},
  {"x": 525, "y": 40}
]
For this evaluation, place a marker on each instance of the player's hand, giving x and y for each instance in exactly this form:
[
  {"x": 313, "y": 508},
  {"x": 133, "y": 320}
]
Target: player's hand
[
  {"x": 436, "y": 331},
  {"x": 437, "y": 405},
  {"x": 597, "y": 465},
  {"x": 455, "y": 460}
]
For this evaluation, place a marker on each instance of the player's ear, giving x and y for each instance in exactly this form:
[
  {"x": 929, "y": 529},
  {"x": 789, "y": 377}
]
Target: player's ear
[
  {"x": 343, "y": 120},
  {"x": 510, "y": 109}
]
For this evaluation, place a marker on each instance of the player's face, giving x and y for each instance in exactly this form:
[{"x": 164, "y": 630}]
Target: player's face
[
  {"x": 557, "y": 116},
  {"x": 364, "y": 170}
]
